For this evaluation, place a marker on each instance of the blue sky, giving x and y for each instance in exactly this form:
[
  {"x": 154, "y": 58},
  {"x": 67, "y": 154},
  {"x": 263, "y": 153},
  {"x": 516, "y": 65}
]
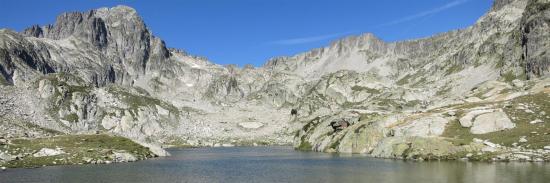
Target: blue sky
[{"x": 252, "y": 31}]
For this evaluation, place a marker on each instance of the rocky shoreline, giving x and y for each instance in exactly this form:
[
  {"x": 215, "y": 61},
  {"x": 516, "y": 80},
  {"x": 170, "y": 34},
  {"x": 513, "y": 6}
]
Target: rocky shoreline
[
  {"x": 503, "y": 126},
  {"x": 70, "y": 150},
  {"x": 28, "y": 156}
]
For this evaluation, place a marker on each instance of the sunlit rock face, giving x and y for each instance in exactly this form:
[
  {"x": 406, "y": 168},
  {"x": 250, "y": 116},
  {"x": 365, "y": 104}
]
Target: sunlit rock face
[{"x": 103, "y": 71}]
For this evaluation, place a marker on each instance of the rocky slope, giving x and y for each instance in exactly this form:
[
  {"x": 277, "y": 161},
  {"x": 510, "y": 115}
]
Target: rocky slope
[
  {"x": 444, "y": 97},
  {"x": 92, "y": 74},
  {"x": 474, "y": 93},
  {"x": 88, "y": 73}
]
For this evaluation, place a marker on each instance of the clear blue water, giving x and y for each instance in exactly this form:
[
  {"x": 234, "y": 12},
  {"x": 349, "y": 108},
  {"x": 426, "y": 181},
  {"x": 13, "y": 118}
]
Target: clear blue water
[{"x": 281, "y": 164}]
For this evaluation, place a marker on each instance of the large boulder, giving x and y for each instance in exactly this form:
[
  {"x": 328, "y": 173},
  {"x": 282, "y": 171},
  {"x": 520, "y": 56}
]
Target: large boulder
[
  {"x": 4, "y": 157},
  {"x": 491, "y": 122},
  {"x": 467, "y": 120},
  {"x": 154, "y": 148},
  {"x": 48, "y": 152},
  {"x": 123, "y": 157}
]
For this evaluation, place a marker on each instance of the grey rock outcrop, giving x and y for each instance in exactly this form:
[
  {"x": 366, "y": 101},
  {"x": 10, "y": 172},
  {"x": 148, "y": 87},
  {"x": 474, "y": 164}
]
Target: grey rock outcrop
[
  {"x": 48, "y": 152},
  {"x": 119, "y": 157},
  {"x": 4, "y": 157},
  {"x": 534, "y": 28},
  {"x": 467, "y": 120},
  {"x": 491, "y": 122}
]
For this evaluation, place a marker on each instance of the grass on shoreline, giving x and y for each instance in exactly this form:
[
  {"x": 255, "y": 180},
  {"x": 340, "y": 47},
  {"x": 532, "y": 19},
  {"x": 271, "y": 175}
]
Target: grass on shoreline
[{"x": 78, "y": 149}]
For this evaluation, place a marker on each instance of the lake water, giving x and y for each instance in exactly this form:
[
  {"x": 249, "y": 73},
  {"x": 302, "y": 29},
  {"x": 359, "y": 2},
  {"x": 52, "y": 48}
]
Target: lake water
[{"x": 281, "y": 164}]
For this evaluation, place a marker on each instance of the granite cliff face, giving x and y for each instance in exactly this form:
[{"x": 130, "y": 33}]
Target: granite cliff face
[
  {"x": 105, "y": 46},
  {"x": 440, "y": 97},
  {"x": 535, "y": 39}
]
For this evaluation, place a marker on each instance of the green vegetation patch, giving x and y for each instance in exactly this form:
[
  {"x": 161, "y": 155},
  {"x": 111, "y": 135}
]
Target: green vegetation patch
[
  {"x": 304, "y": 145},
  {"x": 73, "y": 117},
  {"x": 77, "y": 149},
  {"x": 420, "y": 82},
  {"x": 404, "y": 80},
  {"x": 443, "y": 91},
  {"x": 510, "y": 76},
  {"x": 135, "y": 101},
  {"x": 388, "y": 102},
  {"x": 368, "y": 90},
  {"x": 311, "y": 124},
  {"x": 3, "y": 81},
  {"x": 413, "y": 103},
  {"x": 454, "y": 69},
  {"x": 335, "y": 142},
  {"x": 309, "y": 127},
  {"x": 537, "y": 135},
  {"x": 369, "y": 117}
]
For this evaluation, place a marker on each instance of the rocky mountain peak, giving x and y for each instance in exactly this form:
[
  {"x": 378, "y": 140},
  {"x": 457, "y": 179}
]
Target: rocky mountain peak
[
  {"x": 92, "y": 25},
  {"x": 126, "y": 11},
  {"x": 118, "y": 33},
  {"x": 363, "y": 41},
  {"x": 34, "y": 31},
  {"x": 498, "y": 4}
]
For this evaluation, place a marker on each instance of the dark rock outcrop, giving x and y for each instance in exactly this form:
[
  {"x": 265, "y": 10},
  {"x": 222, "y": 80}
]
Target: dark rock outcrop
[
  {"x": 122, "y": 45},
  {"x": 535, "y": 40}
]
